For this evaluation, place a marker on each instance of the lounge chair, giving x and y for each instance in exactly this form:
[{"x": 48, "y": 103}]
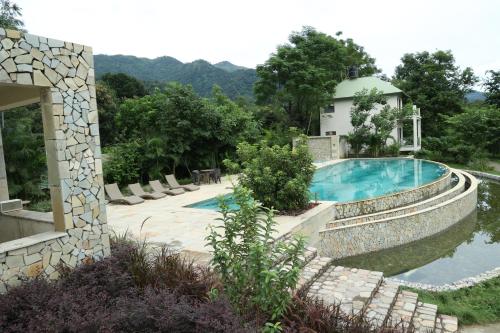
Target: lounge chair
[
  {"x": 116, "y": 196},
  {"x": 172, "y": 182},
  {"x": 137, "y": 190},
  {"x": 158, "y": 187}
]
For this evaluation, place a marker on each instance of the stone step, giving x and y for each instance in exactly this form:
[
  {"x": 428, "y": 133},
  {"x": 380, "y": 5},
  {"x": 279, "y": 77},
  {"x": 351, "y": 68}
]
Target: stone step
[
  {"x": 351, "y": 288},
  {"x": 403, "y": 309},
  {"x": 377, "y": 311},
  {"x": 424, "y": 319},
  {"x": 312, "y": 270},
  {"x": 446, "y": 324},
  {"x": 309, "y": 254}
]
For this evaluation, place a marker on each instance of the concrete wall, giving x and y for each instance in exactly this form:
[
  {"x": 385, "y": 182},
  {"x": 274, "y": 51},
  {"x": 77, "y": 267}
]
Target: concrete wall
[
  {"x": 377, "y": 235},
  {"x": 340, "y": 120},
  {"x": 64, "y": 74},
  {"x": 23, "y": 223},
  {"x": 391, "y": 201}
]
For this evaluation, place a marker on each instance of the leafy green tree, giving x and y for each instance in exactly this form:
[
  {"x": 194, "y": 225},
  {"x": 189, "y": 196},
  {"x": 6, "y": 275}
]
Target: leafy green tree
[
  {"x": 23, "y": 142},
  {"x": 436, "y": 85},
  {"x": 492, "y": 85},
  {"x": 123, "y": 163},
  {"x": 257, "y": 272},
  {"x": 10, "y": 15},
  {"x": 301, "y": 76},
  {"x": 124, "y": 86},
  {"x": 107, "y": 106},
  {"x": 279, "y": 177},
  {"x": 176, "y": 127}
]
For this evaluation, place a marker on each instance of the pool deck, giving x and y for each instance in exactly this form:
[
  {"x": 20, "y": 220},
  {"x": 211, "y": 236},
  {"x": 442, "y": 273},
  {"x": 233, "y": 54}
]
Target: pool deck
[{"x": 169, "y": 222}]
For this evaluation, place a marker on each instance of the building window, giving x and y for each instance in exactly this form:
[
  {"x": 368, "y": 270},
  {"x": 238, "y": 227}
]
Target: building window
[
  {"x": 331, "y": 133},
  {"x": 330, "y": 108}
]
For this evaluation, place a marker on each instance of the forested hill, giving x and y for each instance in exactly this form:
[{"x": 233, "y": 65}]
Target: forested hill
[{"x": 234, "y": 80}]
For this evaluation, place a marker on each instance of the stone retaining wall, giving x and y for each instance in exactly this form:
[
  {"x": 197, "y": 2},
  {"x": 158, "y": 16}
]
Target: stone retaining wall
[
  {"x": 62, "y": 76},
  {"x": 377, "y": 235},
  {"x": 451, "y": 193},
  {"x": 391, "y": 201}
]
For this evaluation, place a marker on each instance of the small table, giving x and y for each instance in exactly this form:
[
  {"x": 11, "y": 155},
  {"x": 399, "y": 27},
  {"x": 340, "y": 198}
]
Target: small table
[{"x": 205, "y": 175}]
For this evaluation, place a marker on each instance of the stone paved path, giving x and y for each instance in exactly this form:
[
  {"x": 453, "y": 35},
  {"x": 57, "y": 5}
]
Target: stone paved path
[{"x": 360, "y": 291}]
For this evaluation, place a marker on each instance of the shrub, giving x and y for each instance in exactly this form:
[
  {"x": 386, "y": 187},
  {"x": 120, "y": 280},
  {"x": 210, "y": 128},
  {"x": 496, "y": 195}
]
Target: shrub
[
  {"x": 306, "y": 314},
  {"x": 257, "y": 274},
  {"x": 123, "y": 163},
  {"x": 279, "y": 177},
  {"x": 112, "y": 295}
]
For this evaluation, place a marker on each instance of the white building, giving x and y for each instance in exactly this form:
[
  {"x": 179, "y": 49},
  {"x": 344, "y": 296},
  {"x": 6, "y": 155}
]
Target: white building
[{"x": 336, "y": 118}]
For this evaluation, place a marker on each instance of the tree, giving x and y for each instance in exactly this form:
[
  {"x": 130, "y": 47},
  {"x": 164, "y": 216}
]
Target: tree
[
  {"x": 10, "y": 15},
  {"x": 107, "y": 106},
  {"x": 436, "y": 85},
  {"x": 301, "y": 76},
  {"x": 124, "y": 86},
  {"x": 492, "y": 85},
  {"x": 279, "y": 177}
]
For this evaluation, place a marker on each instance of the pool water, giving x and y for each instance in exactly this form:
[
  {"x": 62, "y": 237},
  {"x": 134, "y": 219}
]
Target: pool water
[
  {"x": 469, "y": 248},
  {"x": 360, "y": 179},
  {"x": 213, "y": 203}
]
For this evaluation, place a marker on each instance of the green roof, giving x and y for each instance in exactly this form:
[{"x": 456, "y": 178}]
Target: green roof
[{"x": 349, "y": 87}]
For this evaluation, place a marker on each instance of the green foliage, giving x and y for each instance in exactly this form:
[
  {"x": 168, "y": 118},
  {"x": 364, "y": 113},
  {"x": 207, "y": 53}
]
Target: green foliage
[
  {"x": 257, "y": 273},
  {"x": 200, "y": 74},
  {"x": 278, "y": 176},
  {"x": 22, "y": 142},
  {"x": 373, "y": 132},
  {"x": 469, "y": 137},
  {"x": 123, "y": 85},
  {"x": 436, "y": 85},
  {"x": 123, "y": 163},
  {"x": 301, "y": 76},
  {"x": 176, "y": 127},
  {"x": 492, "y": 85},
  {"x": 10, "y": 15},
  {"x": 474, "y": 305},
  {"x": 107, "y": 107}
]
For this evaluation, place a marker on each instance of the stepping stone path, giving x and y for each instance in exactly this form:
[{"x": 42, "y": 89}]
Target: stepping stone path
[{"x": 359, "y": 291}]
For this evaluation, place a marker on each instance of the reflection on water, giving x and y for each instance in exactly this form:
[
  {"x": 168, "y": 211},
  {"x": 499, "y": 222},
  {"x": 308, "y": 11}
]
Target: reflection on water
[
  {"x": 470, "y": 247},
  {"x": 361, "y": 179}
]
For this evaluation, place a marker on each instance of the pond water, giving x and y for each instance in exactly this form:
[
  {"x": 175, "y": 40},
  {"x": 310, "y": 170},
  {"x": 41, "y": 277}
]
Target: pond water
[
  {"x": 469, "y": 248},
  {"x": 359, "y": 179}
]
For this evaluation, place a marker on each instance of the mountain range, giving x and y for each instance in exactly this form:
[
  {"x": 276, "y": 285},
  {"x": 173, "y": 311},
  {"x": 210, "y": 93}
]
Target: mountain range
[{"x": 202, "y": 75}]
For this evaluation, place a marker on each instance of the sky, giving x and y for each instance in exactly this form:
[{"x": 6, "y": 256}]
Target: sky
[{"x": 247, "y": 32}]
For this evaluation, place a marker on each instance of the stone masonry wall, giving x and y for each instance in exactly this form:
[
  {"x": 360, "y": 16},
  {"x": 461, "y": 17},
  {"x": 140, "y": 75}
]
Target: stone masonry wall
[
  {"x": 391, "y": 201},
  {"x": 64, "y": 72},
  {"x": 356, "y": 239}
]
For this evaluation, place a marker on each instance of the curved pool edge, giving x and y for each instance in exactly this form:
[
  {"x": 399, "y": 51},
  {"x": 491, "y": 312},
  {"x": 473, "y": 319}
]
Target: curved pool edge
[
  {"x": 346, "y": 241},
  {"x": 394, "y": 200}
]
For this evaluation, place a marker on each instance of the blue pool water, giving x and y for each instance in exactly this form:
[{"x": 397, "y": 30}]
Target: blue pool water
[{"x": 360, "y": 179}]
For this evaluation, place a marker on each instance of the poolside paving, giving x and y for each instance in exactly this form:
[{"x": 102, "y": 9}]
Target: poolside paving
[{"x": 168, "y": 221}]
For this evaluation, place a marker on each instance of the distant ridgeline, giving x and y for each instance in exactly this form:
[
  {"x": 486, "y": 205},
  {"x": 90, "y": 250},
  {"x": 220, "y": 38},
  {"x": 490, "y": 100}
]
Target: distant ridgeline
[{"x": 234, "y": 80}]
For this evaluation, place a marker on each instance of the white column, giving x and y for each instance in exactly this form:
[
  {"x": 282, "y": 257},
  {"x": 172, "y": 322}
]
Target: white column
[
  {"x": 415, "y": 133},
  {"x": 4, "y": 188}
]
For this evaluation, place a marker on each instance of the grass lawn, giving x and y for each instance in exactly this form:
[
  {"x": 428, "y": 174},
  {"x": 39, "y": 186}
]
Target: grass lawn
[{"x": 479, "y": 304}]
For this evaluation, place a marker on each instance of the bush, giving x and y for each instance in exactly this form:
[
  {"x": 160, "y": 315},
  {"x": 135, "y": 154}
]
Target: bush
[
  {"x": 279, "y": 177},
  {"x": 306, "y": 314},
  {"x": 130, "y": 291},
  {"x": 257, "y": 274},
  {"x": 123, "y": 163}
]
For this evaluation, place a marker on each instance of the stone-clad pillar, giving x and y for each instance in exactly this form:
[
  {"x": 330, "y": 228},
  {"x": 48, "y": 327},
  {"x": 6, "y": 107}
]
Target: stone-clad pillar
[
  {"x": 64, "y": 72},
  {"x": 4, "y": 188}
]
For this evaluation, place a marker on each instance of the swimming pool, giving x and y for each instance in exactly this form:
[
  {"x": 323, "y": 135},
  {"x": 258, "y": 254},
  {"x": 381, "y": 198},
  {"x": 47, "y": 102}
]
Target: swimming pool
[{"x": 359, "y": 179}]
